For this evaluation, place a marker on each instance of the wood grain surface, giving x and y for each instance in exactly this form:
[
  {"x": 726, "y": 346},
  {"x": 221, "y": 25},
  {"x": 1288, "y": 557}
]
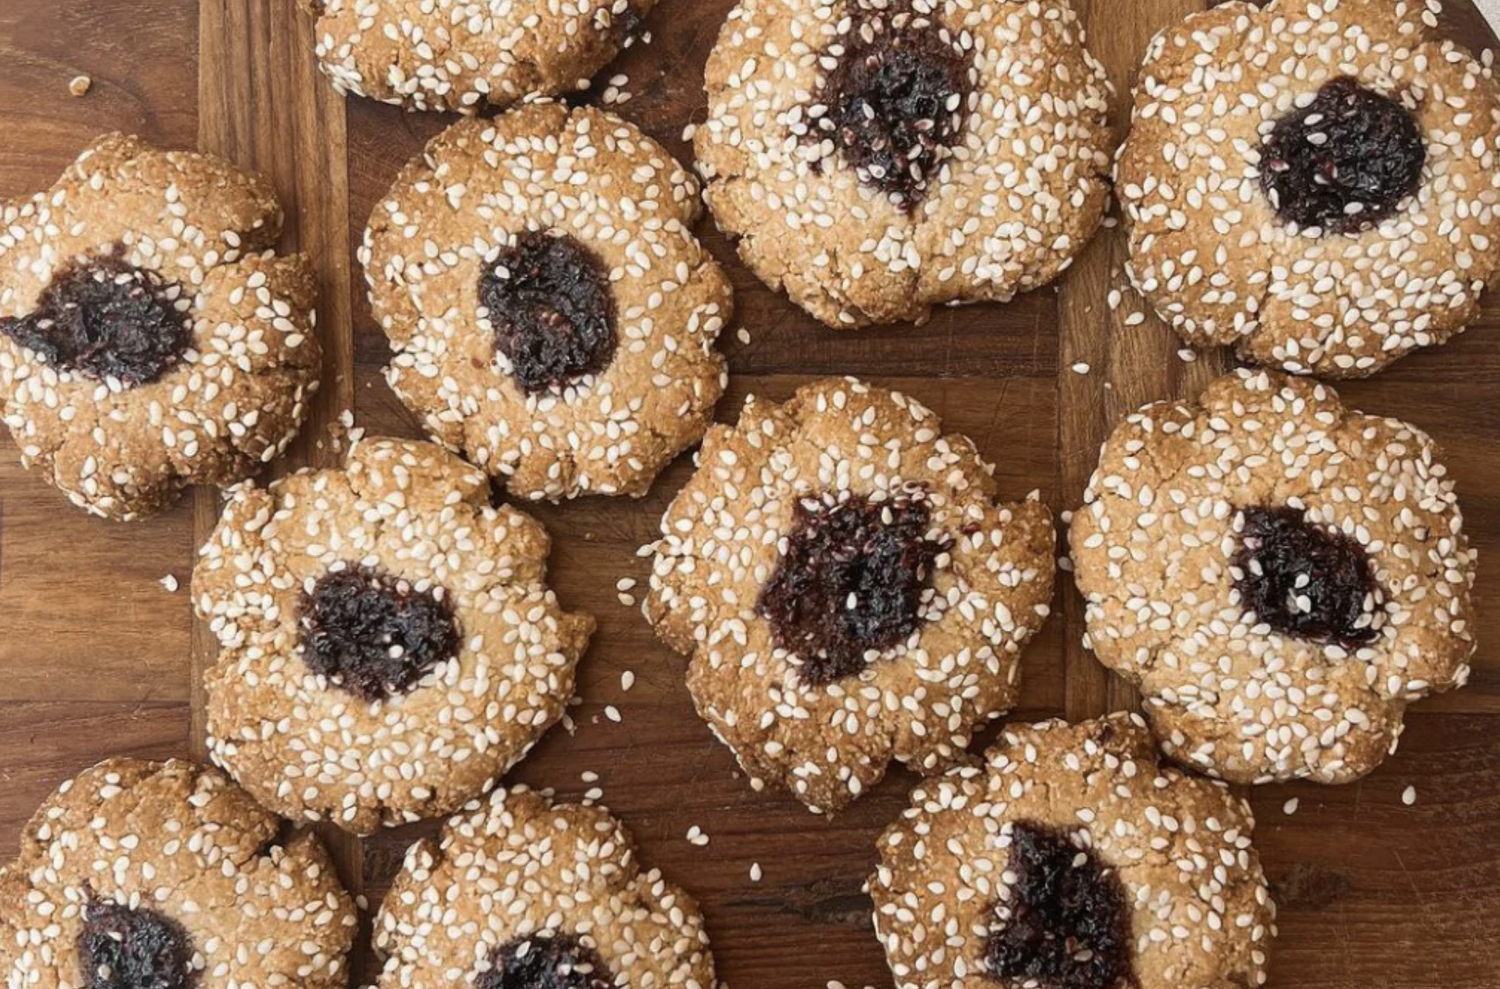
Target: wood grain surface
[{"x": 97, "y": 658}]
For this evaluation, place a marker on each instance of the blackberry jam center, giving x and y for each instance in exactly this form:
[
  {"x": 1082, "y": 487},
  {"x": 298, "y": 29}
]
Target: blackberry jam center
[
  {"x": 373, "y": 634},
  {"x": 1066, "y": 924},
  {"x": 546, "y": 961},
  {"x": 852, "y": 581},
  {"x": 103, "y": 318},
  {"x": 549, "y": 302},
  {"x": 1344, "y": 162},
  {"x": 121, "y": 948},
  {"x": 894, "y": 99},
  {"x": 1305, "y": 580}
]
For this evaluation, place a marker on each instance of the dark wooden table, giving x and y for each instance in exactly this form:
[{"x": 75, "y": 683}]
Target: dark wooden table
[{"x": 98, "y": 659}]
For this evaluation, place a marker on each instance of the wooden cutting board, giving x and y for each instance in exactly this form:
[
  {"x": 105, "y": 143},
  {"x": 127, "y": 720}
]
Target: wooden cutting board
[{"x": 98, "y": 659}]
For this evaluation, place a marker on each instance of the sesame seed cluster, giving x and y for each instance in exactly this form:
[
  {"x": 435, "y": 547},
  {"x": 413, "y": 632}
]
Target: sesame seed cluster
[
  {"x": 1154, "y": 551},
  {"x": 1207, "y": 248},
  {"x": 917, "y": 702},
  {"x": 465, "y": 54},
  {"x": 590, "y": 175},
  {"x": 1008, "y": 203},
  {"x": 311, "y": 750},
  {"x": 514, "y": 866},
  {"x": 237, "y": 393},
  {"x": 259, "y": 906},
  {"x": 1198, "y": 907}
]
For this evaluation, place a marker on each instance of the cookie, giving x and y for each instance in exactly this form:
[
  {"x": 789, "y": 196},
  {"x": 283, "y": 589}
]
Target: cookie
[
  {"x": 877, "y": 158},
  {"x": 849, "y": 589},
  {"x": 388, "y": 644},
  {"x": 168, "y": 876},
  {"x": 1313, "y": 182},
  {"x": 1278, "y": 574},
  {"x": 150, "y": 338},
  {"x": 551, "y": 313},
  {"x": 517, "y": 891},
  {"x": 462, "y": 55},
  {"x": 1071, "y": 860}
]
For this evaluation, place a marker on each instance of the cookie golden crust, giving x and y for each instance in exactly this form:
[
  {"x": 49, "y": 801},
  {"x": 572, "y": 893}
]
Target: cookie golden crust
[
  {"x": 1012, "y": 184},
  {"x": 848, "y": 589},
  {"x": 1278, "y": 574},
  {"x": 149, "y": 337},
  {"x": 464, "y": 54},
  {"x": 467, "y": 259},
  {"x": 1208, "y": 247},
  {"x": 518, "y": 886},
  {"x": 1163, "y": 889},
  {"x": 389, "y": 646},
  {"x": 131, "y": 850}
]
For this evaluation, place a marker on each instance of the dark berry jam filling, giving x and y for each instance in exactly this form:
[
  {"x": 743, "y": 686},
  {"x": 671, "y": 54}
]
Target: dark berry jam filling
[
  {"x": 1345, "y": 161},
  {"x": 103, "y": 318},
  {"x": 373, "y": 634},
  {"x": 545, "y": 961},
  {"x": 1306, "y": 580},
  {"x": 852, "y": 582},
  {"x": 549, "y": 302},
  {"x": 121, "y": 948},
  {"x": 896, "y": 95},
  {"x": 1066, "y": 924}
]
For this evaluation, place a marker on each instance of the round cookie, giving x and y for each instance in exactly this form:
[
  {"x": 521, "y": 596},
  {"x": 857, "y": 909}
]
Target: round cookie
[
  {"x": 848, "y": 588},
  {"x": 149, "y": 337},
  {"x": 1314, "y": 182},
  {"x": 1071, "y": 859},
  {"x": 461, "y": 55},
  {"x": 1279, "y": 575},
  {"x": 551, "y": 313},
  {"x": 877, "y": 158},
  {"x": 388, "y": 644},
  {"x": 166, "y": 875},
  {"x": 517, "y": 891}
]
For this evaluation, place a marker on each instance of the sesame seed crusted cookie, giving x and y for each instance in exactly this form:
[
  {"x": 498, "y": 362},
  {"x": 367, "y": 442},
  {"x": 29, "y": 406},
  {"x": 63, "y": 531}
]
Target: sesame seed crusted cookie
[
  {"x": 166, "y": 875},
  {"x": 848, "y": 588},
  {"x": 463, "y": 54},
  {"x": 551, "y": 312},
  {"x": 1278, "y": 574},
  {"x": 519, "y": 892},
  {"x": 1313, "y": 182},
  {"x": 149, "y": 337},
  {"x": 1071, "y": 860},
  {"x": 388, "y": 644},
  {"x": 877, "y": 158}
]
